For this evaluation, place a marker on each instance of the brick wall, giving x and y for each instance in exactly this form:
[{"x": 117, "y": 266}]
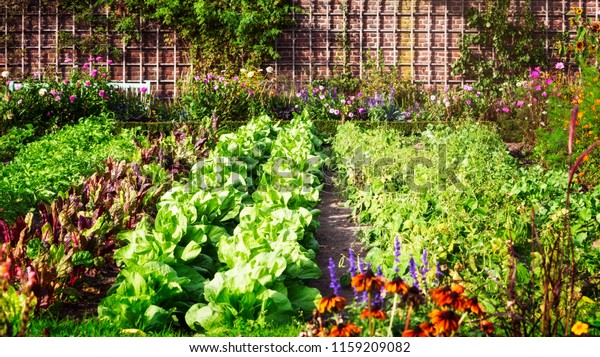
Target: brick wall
[{"x": 420, "y": 37}]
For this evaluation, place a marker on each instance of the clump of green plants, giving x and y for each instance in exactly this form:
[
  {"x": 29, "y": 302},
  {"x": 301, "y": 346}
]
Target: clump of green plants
[{"x": 508, "y": 41}]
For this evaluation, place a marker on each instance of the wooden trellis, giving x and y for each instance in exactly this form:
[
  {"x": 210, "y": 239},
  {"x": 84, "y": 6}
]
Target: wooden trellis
[{"x": 419, "y": 37}]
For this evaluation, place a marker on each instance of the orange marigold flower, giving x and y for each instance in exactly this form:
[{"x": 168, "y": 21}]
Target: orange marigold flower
[
  {"x": 344, "y": 330},
  {"x": 425, "y": 329},
  {"x": 378, "y": 314},
  {"x": 331, "y": 303},
  {"x": 445, "y": 321},
  {"x": 396, "y": 286},
  {"x": 580, "y": 328},
  {"x": 368, "y": 282},
  {"x": 487, "y": 327}
]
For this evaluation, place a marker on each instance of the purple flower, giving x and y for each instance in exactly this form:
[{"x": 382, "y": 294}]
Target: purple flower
[
  {"x": 559, "y": 65},
  {"x": 352, "y": 261},
  {"x": 477, "y": 94},
  {"x": 72, "y": 98},
  {"x": 335, "y": 284},
  {"x": 397, "y": 249},
  {"x": 413, "y": 272},
  {"x": 438, "y": 271}
]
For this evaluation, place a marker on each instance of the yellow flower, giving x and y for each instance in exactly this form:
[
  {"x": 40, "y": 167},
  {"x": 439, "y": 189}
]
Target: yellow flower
[{"x": 580, "y": 328}]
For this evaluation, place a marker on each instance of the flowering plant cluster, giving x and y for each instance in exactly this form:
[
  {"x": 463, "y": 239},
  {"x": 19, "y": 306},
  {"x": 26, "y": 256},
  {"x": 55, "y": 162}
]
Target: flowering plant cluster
[
  {"x": 46, "y": 100},
  {"x": 393, "y": 307},
  {"x": 323, "y": 103},
  {"x": 583, "y": 47}
]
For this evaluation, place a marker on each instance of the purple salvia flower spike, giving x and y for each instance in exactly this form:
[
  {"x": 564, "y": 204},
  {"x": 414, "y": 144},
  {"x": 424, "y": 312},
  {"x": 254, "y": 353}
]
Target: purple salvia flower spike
[
  {"x": 397, "y": 248},
  {"x": 335, "y": 284},
  {"x": 413, "y": 272}
]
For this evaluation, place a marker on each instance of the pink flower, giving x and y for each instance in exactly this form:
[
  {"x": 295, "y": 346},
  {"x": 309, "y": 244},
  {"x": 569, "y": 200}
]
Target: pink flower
[
  {"x": 520, "y": 103},
  {"x": 88, "y": 83},
  {"x": 351, "y": 115},
  {"x": 559, "y": 65},
  {"x": 103, "y": 75},
  {"x": 359, "y": 95},
  {"x": 468, "y": 88},
  {"x": 235, "y": 79},
  {"x": 544, "y": 94},
  {"x": 321, "y": 96},
  {"x": 94, "y": 73},
  {"x": 534, "y": 74},
  {"x": 336, "y": 112},
  {"x": 468, "y": 102},
  {"x": 109, "y": 62},
  {"x": 57, "y": 98},
  {"x": 68, "y": 60},
  {"x": 72, "y": 98},
  {"x": 67, "y": 81},
  {"x": 53, "y": 92},
  {"x": 538, "y": 88},
  {"x": 549, "y": 81},
  {"x": 534, "y": 100},
  {"x": 144, "y": 89},
  {"x": 101, "y": 93},
  {"x": 217, "y": 87},
  {"x": 86, "y": 65},
  {"x": 99, "y": 59},
  {"x": 505, "y": 109},
  {"x": 361, "y": 111},
  {"x": 321, "y": 87},
  {"x": 90, "y": 59},
  {"x": 197, "y": 78}
]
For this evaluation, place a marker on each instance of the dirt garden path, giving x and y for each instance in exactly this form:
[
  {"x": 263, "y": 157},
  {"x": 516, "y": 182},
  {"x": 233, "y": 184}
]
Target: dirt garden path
[{"x": 335, "y": 236}]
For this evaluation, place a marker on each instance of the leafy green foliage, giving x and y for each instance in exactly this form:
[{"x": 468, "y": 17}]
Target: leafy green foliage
[
  {"x": 56, "y": 162},
  {"x": 508, "y": 41}
]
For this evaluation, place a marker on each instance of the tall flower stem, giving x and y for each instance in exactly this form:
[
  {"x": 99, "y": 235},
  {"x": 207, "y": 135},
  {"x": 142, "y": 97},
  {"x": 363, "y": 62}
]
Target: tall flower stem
[
  {"x": 408, "y": 317},
  {"x": 394, "y": 306}
]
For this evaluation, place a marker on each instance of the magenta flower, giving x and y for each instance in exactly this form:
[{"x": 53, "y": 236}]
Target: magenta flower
[
  {"x": 468, "y": 88},
  {"x": 88, "y": 83},
  {"x": 86, "y": 65},
  {"x": 361, "y": 111},
  {"x": 538, "y": 88},
  {"x": 94, "y": 73},
  {"x": 72, "y": 98},
  {"x": 235, "y": 79},
  {"x": 468, "y": 102},
  {"x": 505, "y": 109},
  {"x": 520, "y": 103},
  {"x": 109, "y": 62},
  {"x": 101, "y": 93},
  {"x": 549, "y": 81},
  {"x": 559, "y": 65},
  {"x": 351, "y": 115},
  {"x": 53, "y": 92},
  {"x": 534, "y": 74},
  {"x": 544, "y": 94},
  {"x": 144, "y": 89},
  {"x": 359, "y": 95},
  {"x": 534, "y": 100},
  {"x": 90, "y": 59},
  {"x": 336, "y": 112},
  {"x": 99, "y": 59},
  {"x": 210, "y": 76},
  {"x": 197, "y": 78},
  {"x": 68, "y": 60}
]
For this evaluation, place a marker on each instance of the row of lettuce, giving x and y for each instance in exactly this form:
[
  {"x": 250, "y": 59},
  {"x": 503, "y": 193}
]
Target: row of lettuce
[
  {"x": 64, "y": 199},
  {"x": 233, "y": 241},
  {"x": 500, "y": 228}
]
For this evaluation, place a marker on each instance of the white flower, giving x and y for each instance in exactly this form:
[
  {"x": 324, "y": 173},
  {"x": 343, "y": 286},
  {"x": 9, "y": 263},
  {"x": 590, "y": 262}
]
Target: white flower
[
  {"x": 243, "y": 70},
  {"x": 42, "y": 92},
  {"x": 5, "y": 74},
  {"x": 269, "y": 69},
  {"x": 250, "y": 74},
  {"x": 433, "y": 97}
]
